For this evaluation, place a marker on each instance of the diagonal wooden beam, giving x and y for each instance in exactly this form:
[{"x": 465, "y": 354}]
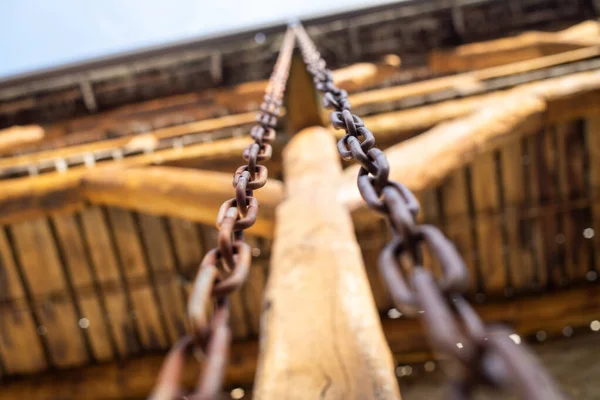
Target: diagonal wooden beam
[
  {"x": 568, "y": 97},
  {"x": 182, "y": 194},
  {"x": 185, "y": 193},
  {"x": 425, "y": 160},
  {"x": 141, "y": 142},
  {"x": 515, "y": 48},
  {"x": 396, "y": 93}
]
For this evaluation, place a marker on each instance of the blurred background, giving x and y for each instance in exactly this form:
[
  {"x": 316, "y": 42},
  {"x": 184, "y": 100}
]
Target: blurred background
[{"x": 95, "y": 271}]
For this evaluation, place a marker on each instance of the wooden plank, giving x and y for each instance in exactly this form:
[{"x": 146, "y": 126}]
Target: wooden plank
[
  {"x": 134, "y": 378},
  {"x": 396, "y": 93},
  {"x": 578, "y": 172},
  {"x": 430, "y": 214},
  {"x": 161, "y": 261},
  {"x": 189, "y": 250},
  {"x": 106, "y": 273},
  {"x": 20, "y": 345},
  {"x": 316, "y": 264},
  {"x": 452, "y": 145},
  {"x": 148, "y": 315},
  {"x": 179, "y": 130},
  {"x": 188, "y": 246},
  {"x": 191, "y": 194},
  {"x": 547, "y": 182},
  {"x": 533, "y": 225},
  {"x": 512, "y": 49},
  {"x": 520, "y": 260},
  {"x": 459, "y": 223},
  {"x": 254, "y": 287},
  {"x": 484, "y": 185},
  {"x": 58, "y": 319},
  {"x": 92, "y": 311},
  {"x": 592, "y": 137}
]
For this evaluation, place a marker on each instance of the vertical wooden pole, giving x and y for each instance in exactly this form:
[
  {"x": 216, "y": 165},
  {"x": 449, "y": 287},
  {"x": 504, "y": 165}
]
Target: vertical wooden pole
[{"x": 321, "y": 336}]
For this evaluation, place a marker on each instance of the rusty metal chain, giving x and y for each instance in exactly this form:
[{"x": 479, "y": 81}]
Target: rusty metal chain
[
  {"x": 225, "y": 268},
  {"x": 480, "y": 355}
]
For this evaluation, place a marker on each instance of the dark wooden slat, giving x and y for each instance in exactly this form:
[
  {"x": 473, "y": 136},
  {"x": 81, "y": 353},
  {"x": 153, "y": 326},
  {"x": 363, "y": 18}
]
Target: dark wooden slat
[
  {"x": 546, "y": 181},
  {"x": 519, "y": 257},
  {"x": 533, "y": 225},
  {"x": 44, "y": 275},
  {"x": 20, "y": 346},
  {"x": 592, "y": 136},
  {"x": 577, "y": 186},
  {"x": 489, "y": 237},
  {"x": 163, "y": 272},
  {"x": 131, "y": 256},
  {"x": 77, "y": 263},
  {"x": 111, "y": 285},
  {"x": 459, "y": 224}
]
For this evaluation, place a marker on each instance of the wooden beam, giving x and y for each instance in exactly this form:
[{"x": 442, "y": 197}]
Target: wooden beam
[
  {"x": 145, "y": 142},
  {"x": 18, "y": 136},
  {"x": 339, "y": 351},
  {"x": 568, "y": 97},
  {"x": 516, "y": 48},
  {"x": 453, "y": 144},
  {"x": 396, "y": 93},
  {"x": 423, "y": 161},
  {"x": 184, "y": 193},
  {"x": 59, "y": 192},
  {"x": 134, "y": 378}
]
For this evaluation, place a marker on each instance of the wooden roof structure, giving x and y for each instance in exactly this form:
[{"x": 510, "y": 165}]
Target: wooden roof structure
[{"x": 103, "y": 228}]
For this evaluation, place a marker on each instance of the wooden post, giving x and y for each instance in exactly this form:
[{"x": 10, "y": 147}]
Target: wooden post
[{"x": 321, "y": 336}]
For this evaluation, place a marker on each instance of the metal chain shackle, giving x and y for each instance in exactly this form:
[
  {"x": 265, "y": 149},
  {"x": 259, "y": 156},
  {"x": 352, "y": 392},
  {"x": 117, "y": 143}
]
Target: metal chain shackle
[
  {"x": 225, "y": 268},
  {"x": 480, "y": 355}
]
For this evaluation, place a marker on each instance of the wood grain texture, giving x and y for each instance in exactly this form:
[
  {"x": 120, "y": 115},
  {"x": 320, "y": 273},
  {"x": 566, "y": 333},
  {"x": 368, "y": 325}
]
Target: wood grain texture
[
  {"x": 320, "y": 336},
  {"x": 136, "y": 377},
  {"x": 191, "y": 194},
  {"x": 451, "y": 145},
  {"x": 58, "y": 319},
  {"x": 20, "y": 345},
  {"x": 592, "y": 135},
  {"x": 486, "y": 206}
]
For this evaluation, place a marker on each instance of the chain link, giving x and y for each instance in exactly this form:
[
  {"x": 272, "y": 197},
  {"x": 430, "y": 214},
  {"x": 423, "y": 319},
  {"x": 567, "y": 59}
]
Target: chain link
[
  {"x": 484, "y": 356},
  {"x": 225, "y": 268}
]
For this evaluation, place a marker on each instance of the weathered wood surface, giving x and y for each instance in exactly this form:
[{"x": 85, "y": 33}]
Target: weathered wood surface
[
  {"x": 452, "y": 145},
  {"x": 183, "y": 109},
  {"x": 320, "y": 333},
  {"x": 145, "y": 142},
  {"x": 515, "y": 48},
  {"x": 396, "y": 93},
  {"x": 184, "y": 193},
  {"x": 568, "y": 97},
  {"x": 135, "y": 378},
  {"x": 16, "y": 137},
  {"x": 562, "y": 98}
]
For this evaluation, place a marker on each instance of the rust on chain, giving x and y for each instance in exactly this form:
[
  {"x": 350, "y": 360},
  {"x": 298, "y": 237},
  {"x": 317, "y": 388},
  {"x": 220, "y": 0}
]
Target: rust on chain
[
  {"x": 225, "y": 268},
  {"x": 485, "y": 356}
]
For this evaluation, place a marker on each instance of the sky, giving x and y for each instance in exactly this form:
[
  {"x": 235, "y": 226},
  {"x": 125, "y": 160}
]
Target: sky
[{"x": 37, "y": 34}]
